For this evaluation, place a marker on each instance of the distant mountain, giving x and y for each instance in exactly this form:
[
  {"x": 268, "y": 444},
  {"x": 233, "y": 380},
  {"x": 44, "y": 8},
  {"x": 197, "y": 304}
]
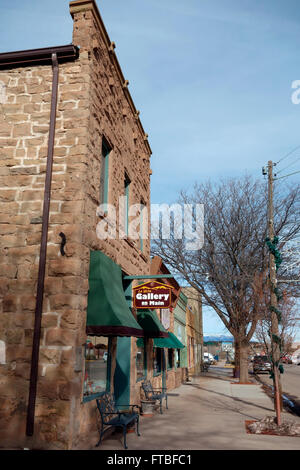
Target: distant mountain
[{"x": 220, "y": 338}]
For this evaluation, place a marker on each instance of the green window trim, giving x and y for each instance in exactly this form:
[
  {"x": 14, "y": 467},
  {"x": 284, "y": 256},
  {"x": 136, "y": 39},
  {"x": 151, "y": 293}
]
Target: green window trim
[
  {"x": 170, "y": 351},
  {"x": 104, "y": 174},
  {"x": 88, "y": 398},
  {"x": 142, "y": 206},
  {"x": 126, "y": 194}
]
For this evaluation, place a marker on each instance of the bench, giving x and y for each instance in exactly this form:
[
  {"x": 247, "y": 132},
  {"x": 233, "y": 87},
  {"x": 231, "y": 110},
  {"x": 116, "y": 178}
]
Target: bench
[
  {"x": 111, "y": 416},
  {"x": 155, "y": 394}
]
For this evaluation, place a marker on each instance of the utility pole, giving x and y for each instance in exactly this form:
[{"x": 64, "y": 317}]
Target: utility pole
[{"x": 273, "y": 300}]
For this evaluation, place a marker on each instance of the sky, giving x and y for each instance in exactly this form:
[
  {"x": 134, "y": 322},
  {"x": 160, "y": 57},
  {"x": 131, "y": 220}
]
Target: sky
[{"x": 212, "y": 80}]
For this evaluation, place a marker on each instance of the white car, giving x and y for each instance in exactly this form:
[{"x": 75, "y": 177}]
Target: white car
[
  {"x": 207, "y": 357},
  {"x": 104, "y": 356},
  {"x": 296, "y": 360}
]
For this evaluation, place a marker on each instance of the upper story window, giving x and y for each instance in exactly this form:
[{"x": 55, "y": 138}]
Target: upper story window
[
  {"x": 104, "y": 172},
  {"x": 142, "y": 225},
  {"x": 126, "y": 203}
]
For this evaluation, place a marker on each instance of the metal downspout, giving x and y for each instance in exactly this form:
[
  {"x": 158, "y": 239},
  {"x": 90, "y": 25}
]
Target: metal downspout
[{"x": 43, "y": 253}]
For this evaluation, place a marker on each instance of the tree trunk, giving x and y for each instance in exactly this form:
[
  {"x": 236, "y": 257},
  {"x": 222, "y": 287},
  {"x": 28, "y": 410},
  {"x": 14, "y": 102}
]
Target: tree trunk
[
  {"x": 236, "y": 370},
  {"x": 244, "y": 373}
]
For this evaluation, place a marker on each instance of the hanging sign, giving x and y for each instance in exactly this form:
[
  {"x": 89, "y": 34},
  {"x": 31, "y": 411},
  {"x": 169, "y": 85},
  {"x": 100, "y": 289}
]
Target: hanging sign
[{"x": 151, "y": 295}]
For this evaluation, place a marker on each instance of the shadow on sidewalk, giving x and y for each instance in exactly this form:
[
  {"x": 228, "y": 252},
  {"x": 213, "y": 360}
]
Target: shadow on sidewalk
[{"x": 236, "y": 399}]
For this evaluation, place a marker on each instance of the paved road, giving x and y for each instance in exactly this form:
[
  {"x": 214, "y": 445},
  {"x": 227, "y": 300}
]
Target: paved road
[{"x": 290, "y": 380}]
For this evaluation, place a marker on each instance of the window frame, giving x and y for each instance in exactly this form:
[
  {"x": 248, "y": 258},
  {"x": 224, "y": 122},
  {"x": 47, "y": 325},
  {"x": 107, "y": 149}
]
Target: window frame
[
  {"x": 92, "y": 396},
  {"x": 170, "y": 350},
  {"x": 127, "y": 183},
  {"x": 104, "y": 177},
  {"x": 143, "y": 377},
  {"x": 142, "y": 208},
  {"x": 159, "y": 372}
]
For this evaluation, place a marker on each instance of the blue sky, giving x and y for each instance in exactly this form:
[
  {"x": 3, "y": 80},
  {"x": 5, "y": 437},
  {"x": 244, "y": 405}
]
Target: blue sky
[{"x": 212, "y": 79}]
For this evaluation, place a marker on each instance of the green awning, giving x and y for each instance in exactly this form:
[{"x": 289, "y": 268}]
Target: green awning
[
  {"x": 171, "y": 342},
  {"x": 150, "y": 323},
  {"x": 108, "y": 313}
]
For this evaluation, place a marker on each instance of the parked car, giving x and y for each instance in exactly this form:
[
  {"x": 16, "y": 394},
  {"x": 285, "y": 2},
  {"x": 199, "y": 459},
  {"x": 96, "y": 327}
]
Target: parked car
[
  {"x": 296, "y": 360},
  {"x": 286, "y": 359},
  {"x": 208, "y": 358},
  {"x": 105, "y": 356},
  {"x": 261, "y": 364}
]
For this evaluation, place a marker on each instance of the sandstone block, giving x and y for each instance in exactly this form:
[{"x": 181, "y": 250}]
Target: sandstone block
[
  {"x": 65, "y": 266},
  {"x": 22, "y": 130},
  {"x": 60, "y": 337}
]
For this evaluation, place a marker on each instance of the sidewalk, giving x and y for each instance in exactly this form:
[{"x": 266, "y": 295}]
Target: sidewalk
[{"x": 209, "y": 413}]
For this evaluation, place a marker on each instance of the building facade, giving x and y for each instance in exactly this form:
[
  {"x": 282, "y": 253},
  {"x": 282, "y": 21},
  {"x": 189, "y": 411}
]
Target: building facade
[
  {"x": 194, "y": 330},
  {"x": 168, "y": 371},
  {"x": 180, "y": 331},
  {"x": 77, "y": 95}
]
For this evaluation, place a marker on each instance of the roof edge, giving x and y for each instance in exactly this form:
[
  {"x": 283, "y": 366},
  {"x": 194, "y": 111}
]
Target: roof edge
[{"x": 41, "y": 56}]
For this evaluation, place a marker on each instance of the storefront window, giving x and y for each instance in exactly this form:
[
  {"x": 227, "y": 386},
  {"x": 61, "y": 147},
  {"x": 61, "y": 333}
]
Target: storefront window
[
  {"x": 157, "y": 361},
  {"x": 141, "y": 360},
  {"x": 177, "y": 358},
  {"x": 96, "y": 361},
  {"x": 170, "y": 358}
]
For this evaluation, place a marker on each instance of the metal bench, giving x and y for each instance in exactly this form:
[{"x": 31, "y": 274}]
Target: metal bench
[
  {"x": 155, "y": 394},
  {"x": 111, "y": 416}
]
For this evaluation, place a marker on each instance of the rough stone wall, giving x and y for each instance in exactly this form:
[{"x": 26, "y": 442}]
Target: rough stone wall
[
  {"x": 111, "y": 117},
  {"x": 88, "y": 108},
  {"x": 24, "y": 126}
]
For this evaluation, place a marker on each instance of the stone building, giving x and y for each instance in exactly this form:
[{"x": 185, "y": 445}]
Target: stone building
[
  {"x": 168, "y": 371},
  {"x": 194, "y": 330},
  {"x": 71, "y": 144},
  {"x": 180, "y": 331}
]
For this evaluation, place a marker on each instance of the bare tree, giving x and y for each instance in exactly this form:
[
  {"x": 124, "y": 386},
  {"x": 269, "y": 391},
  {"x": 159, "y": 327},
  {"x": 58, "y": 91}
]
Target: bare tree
[
  {"x": 233, "y": 259},
  {"x": 288, "y": 323}
]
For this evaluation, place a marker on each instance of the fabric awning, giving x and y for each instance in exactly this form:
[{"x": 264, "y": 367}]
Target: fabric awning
[
  {"x": 171, "y": 342},
  {"x": 108, "y": 313},
  {"x": 150, "y": 323}
]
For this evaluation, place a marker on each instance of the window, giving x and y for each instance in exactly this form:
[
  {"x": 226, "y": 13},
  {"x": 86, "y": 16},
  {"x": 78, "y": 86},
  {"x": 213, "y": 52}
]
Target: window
[
  {"x": 170, "y": 358},
  {"x": 142, "y": 224},
  {"x": 104, "y": 172},
  {"x": 97, "y": 359},
  {"x": 189, "y": 351},
  {"x": 177, "y": 358},
  {"x": 126, "y": 208},
  {"x": 157, "y": 361},
  {"x": 141, "y": 360}
]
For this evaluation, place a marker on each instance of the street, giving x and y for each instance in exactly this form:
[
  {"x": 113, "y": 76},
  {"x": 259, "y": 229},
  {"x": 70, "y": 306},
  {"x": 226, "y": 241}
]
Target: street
[{"x": 290, "y": 380}]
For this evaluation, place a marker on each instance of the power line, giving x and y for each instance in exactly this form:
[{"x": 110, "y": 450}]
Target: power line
[
  {"x": 291, "y": 164},
  {"x": 285, "y": 156},
  {"x": 285, "y": 176}
]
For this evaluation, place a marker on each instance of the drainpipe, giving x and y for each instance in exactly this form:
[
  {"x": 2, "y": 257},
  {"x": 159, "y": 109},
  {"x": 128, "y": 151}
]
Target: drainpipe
[{"x": 43, "y": 254}]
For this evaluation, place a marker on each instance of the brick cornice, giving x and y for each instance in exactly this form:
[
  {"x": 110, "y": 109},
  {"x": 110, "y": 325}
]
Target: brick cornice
[{"x": 78, "y": 6}]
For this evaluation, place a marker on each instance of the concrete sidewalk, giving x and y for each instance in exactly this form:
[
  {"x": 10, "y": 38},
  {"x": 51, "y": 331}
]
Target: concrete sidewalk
[{"x": 208, "y": 413}]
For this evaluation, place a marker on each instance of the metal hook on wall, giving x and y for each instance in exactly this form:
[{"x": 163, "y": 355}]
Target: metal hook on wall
[{"x": 63, "y": 242}]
